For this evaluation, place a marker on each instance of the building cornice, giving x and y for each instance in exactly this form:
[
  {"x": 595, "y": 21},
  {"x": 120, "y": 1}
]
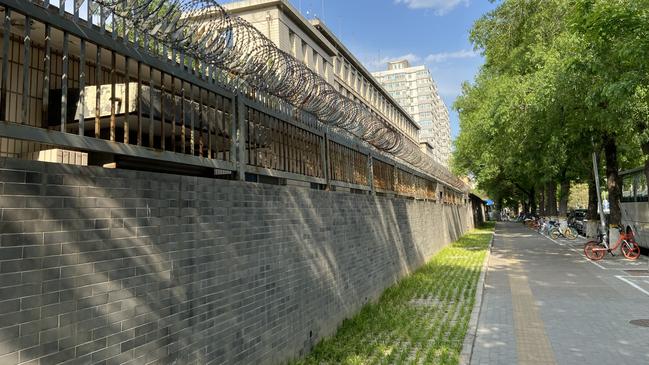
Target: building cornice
[{"x": 290, "y": 11}]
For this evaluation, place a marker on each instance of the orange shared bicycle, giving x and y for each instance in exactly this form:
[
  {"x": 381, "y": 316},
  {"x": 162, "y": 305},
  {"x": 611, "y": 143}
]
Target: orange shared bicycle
[{"x": 596, "y": 250}]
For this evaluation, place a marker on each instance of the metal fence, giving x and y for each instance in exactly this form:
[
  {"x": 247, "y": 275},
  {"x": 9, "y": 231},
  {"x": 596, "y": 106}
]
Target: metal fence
[{"x": 73, "y": 81}]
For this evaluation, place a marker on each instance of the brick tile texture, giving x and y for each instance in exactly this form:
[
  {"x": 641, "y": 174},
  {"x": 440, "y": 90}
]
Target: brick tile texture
[{"x": 126, "y": 267}]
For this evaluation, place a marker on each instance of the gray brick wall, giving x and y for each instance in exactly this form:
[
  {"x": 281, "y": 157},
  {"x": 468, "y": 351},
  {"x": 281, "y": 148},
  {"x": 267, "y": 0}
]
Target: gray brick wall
[{"x": 124, "y": 267}]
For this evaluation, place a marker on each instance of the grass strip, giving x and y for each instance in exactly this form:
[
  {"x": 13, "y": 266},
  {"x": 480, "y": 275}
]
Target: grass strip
[{"x": 422, "y": 319}]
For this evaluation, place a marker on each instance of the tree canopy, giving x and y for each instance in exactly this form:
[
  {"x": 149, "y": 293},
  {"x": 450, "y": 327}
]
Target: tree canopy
[{"x": 561, "y": 79}]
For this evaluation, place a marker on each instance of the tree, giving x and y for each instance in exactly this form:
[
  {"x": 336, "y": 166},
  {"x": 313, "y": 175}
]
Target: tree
[{"x": 556, "y": 85}]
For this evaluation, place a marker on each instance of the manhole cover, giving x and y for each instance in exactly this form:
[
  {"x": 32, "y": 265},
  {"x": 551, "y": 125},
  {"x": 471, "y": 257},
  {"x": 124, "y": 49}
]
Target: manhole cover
[
  {"x": 637, "y": 272},
  {"x": 640, "y": 322}
]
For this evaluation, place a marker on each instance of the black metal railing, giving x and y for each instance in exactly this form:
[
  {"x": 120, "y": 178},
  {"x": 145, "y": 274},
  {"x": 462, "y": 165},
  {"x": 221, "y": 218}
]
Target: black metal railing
[{"x": 86, "y": 83}]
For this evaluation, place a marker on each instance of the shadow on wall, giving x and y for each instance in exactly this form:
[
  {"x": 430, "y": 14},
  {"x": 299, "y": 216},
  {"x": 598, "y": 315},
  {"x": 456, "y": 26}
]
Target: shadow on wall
[{"x": 111, "y": 265}]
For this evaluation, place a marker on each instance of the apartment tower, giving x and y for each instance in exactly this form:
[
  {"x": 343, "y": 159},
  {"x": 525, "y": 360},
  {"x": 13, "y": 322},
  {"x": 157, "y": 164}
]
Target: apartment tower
[{"x": 414, "y": 89}]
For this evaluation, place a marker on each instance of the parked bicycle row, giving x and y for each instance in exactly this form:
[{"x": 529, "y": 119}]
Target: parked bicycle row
[
  {"x": 594, "y": 250},
  {"x": 551, "y": 228}
]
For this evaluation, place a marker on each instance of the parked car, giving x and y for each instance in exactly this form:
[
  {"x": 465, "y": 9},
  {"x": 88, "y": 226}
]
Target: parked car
[{"x": 577, "y": 219}]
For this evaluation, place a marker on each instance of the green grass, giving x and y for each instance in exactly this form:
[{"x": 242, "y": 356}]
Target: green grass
[{"x": 420, "y": 320}]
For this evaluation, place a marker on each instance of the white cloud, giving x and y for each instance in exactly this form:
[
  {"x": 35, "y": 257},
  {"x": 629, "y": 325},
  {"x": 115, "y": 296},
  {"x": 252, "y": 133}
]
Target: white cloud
[
  {"x": 440, "y": 7},
  {"x": 445, "y": 56}
]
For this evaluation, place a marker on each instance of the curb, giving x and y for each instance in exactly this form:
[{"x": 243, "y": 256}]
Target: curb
[{"x": 471, "y": 334}]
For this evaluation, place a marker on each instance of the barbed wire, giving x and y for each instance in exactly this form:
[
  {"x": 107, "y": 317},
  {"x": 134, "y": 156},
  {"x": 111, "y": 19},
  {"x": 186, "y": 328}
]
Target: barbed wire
[{"x": 205, "y": 31}]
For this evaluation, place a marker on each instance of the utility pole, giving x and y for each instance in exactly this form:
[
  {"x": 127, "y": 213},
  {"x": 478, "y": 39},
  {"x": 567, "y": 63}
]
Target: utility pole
[{"x": 602, "y": 218}]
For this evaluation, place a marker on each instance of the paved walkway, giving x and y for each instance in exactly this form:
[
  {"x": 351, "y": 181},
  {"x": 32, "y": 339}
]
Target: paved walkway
[{"x": 544, "y": 303}]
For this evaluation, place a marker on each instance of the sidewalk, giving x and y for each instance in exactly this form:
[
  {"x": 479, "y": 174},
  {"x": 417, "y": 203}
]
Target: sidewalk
[{"x": 544, "y": 303}]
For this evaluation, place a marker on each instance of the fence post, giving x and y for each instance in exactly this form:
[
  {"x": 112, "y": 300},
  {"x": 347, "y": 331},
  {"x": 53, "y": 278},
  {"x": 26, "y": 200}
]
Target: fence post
[
  {"x": 395, "y": 178},
  {"x": 327, "y": 161},
  {"x": 241, "y": 137},
  {"x": 324, "y": 151},
  {"x": 370, "y": 173}
]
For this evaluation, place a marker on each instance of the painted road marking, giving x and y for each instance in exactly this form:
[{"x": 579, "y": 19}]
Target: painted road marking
[{"x": 624, "y": 278}]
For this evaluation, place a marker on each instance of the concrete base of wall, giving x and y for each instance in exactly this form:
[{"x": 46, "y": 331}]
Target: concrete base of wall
[{"x": 135, "y": 267}]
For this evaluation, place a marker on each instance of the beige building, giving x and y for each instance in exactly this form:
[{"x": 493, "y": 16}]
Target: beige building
[
  {"x": 415, "y": 90},
  {"x": 314, "y": 44}
]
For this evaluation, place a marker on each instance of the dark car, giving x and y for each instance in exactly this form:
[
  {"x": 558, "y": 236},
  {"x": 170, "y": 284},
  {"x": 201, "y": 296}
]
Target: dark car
[{"x": 577, "y": 219}]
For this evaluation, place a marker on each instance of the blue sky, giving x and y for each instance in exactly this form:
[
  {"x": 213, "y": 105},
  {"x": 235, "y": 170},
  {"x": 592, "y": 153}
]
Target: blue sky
[{"x": 430, "y": 32}]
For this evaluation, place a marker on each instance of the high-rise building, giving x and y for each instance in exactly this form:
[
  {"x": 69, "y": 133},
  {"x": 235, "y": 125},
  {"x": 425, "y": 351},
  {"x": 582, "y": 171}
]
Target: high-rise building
[{"x": 414, "y": 89}]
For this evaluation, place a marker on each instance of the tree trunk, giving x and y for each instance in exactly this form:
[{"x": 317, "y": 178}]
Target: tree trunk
[
  {"x": 563, "y": 202},
  {"x": 612, "y": 179},
  {"x": 542, "y": 211},
  {"x": 592, "y": 198},
  {"x": 532, "y": 200},
  {"x": 551, "y": 199},
  {"x": 526, "y": 206}
]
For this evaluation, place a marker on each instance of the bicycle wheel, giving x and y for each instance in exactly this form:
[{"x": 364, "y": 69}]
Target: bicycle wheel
[
  {"x": 554, "y": 233},
  {"x": 571, "y": 233},
  {"x": 594, "y": 251},
  {"x": 630, "y": 250}
]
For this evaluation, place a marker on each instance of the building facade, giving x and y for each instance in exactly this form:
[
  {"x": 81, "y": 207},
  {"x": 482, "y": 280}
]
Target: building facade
[
  {"x": 414, "y": 89},
  {"x": 311, "y": 42}
]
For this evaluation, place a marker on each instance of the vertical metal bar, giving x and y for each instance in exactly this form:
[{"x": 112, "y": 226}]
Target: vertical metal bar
[
  {"x": 201, "y": 144},
  {"x": 47, "y": 61},
  {"x": 82, "y": 86},
  {"x": 222, "y": 125},
  {"x": 162, "y": 111},
  {"x": 139, "y": 103},
  {"x": 124, "y": 30},
  {"x": 113, "y": 28},
  {"x": 350, "y": 163},
  {"x": 370, "y": 173},
  {"x": 127, "y": 99},
  {"x": 75, "y": 7},
  {"x": 241, "y": 142},
  {"x": 89, "y": 13},
  {"x": 173, "y": 113},
  {"x": 27, "y": 60},
  {"x": 250, "y": 136},
  {"x": 233, "y": 106},
  {"x": 113, "y": 99},
  {"x": 211, "y": 112},
  {"x": 64, "y": 81},
  {"x": 324, "y": 157},
  {"x": 98, "y": 92},
  {"x": 182, "y": 61},
  {"x": 281, "y": 129},
  {"x": 102, "y": 20},
  {"x": 5, "y": 62},
  {"x": 151, "y": 108},
  {"x": 183, "y": 129},
  {"x": 292, "y": 154},
  {"x": 395, "y": 178},
  {"x": 277, "y": 142},
  {"x": 191, "y": 107}
]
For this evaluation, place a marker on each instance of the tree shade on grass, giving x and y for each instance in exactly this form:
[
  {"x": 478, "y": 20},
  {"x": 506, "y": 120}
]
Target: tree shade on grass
[{"x": 420, "y": 320}]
